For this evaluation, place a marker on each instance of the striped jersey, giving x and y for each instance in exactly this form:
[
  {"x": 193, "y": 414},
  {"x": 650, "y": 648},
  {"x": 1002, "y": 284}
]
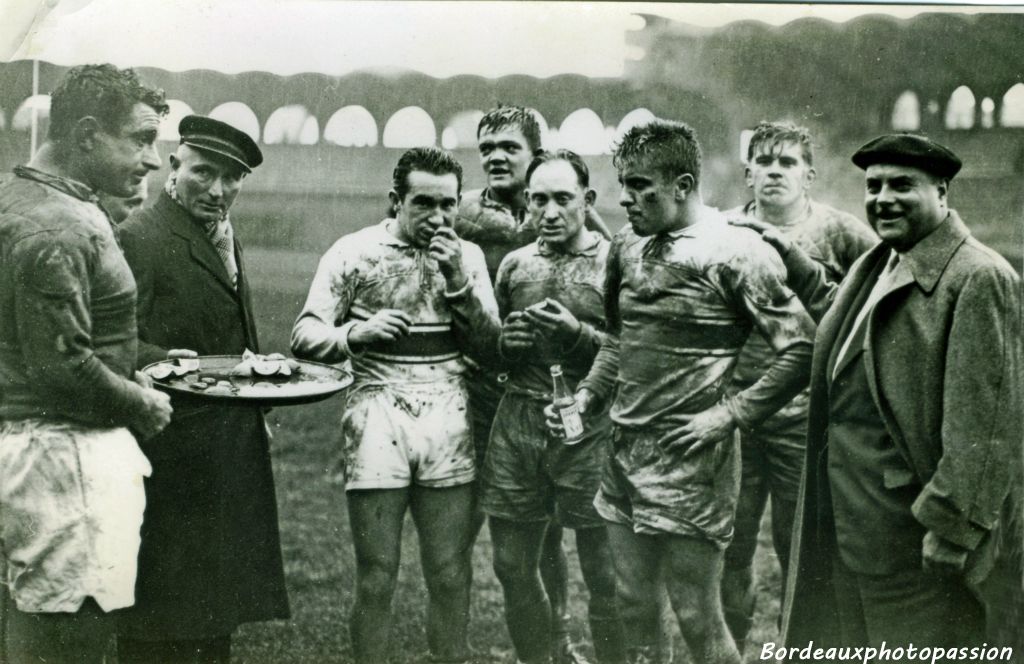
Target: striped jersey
[
  {"x": 679, "y": 308},
  {"x": 370, "y": 270}
]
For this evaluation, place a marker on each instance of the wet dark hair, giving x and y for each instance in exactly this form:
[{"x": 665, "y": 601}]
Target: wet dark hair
[
  {"x": 102, "y": 91},
  {"x": 517, "y": 117},
  {"x": 568, "y": 156},
  {"x": 428, "y": 160},
  {"x": 667, "y": 146},
  {"x": 772, "y": 134}
]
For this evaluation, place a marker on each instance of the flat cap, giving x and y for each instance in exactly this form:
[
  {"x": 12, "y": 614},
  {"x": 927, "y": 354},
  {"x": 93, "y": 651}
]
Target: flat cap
[
  {"x": 909, "y": 150},
  {"x": 212, "y": 135}
]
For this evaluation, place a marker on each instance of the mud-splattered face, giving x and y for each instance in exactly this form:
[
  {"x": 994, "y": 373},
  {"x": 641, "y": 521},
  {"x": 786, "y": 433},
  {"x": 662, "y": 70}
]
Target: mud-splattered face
[
  {"x": 903, "y": 204},
  {"x": 432, "y": 201},
  {"x": 557, "y": 203},
  {"x": 651, "y": 200},
  {"x": 779, "y": 175},
  {"x": 121, "y": 160},
  {"x": 505, "y": 155}
]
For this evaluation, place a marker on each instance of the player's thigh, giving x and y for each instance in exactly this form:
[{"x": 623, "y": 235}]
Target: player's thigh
[
  {"x": 693, "y": 572},
  {"x": 637, "y": 559},
  {"x": 376, "y": 517},
  {"x": 444, "y": 522}
]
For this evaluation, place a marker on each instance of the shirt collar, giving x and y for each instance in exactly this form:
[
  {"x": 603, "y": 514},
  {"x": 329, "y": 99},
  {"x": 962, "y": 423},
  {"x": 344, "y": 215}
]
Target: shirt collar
[
  {"x": 590, "y": 248},
  {"x": 487, "y": 200},
  {"x": 387, "y": 238},
  {"x": 710, "y": 218},
  {"x": 64, "y": 185},
  {"x": 927, "y": 259}
]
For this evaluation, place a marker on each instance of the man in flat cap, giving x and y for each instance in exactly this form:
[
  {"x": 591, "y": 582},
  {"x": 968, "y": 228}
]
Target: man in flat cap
[
  {"x": 211, "y": 556},
  {"x": 914, "y": 430},
  {"x": 71, "y": 403}
]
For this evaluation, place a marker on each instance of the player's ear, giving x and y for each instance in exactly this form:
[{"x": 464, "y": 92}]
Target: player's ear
[
  {"x": 84, "y": 133},
  {"x": 684, "y": 186}
]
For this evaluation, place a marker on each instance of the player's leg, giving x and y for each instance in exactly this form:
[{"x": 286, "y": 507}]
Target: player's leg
[
  {"x": 693, "y": 571},
  {"x": 738, "y": 577},
  {"x": 444, "y": 523},
  {"x": 517, "y": 551},
  {"x": 554, "y": 572},
  {"x": 376, "y": 517},
  {"x": 637, "y": 560},
  {"x": 599, "y": 574}
]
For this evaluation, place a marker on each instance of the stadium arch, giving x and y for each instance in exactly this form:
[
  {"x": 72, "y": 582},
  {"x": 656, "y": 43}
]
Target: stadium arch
[
  {"x": 960, "y": 109},
  {"x": 240, "y": 116},
  {"x": 409, "y": 127},
  {"x": 1011, "y": 114},
  {"x": 351, "y": 126},
  {"x": 168, "y": 130},
  {"x": 22, "y": 120},
  {"x": 291, "y": 125}
]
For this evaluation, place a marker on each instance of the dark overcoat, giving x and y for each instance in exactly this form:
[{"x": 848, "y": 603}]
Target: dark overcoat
[
  {"x": 942, "y": 352},
  {"x": 211, "y": 554}
]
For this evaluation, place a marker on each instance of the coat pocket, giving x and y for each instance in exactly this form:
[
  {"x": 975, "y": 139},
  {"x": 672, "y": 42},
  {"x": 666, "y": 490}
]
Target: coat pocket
[{"x": 897, "y": 478}]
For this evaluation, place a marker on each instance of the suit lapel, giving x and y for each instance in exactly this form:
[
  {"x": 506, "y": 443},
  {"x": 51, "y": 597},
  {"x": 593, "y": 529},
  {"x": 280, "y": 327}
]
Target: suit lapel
[
  {"x": 850, "y": 293},
  {"x": 200, "y": 247}
]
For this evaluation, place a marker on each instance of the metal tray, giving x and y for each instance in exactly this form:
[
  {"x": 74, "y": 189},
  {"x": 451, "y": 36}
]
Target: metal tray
[{"x": 312, "y": 382}]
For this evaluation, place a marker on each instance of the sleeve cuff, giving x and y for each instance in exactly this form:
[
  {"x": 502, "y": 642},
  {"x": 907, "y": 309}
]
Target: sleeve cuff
[
  {"x": 732, "y": 405},
  {"x": 459, "y": 293},
  {"x": 946, "y": 522},
  {"x": 343, "y": 333}
]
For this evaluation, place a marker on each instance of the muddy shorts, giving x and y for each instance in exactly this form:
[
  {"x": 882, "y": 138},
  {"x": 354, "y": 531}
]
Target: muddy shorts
[
  {"x": 398, "y": 434},
  {"x": 658, "y": 491},
  {"x": 530, "y": 476},
  {"x": 71, "y": 506}
]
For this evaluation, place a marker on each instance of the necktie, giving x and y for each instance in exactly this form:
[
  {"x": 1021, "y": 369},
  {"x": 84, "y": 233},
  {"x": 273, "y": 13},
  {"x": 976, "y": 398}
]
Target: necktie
[
  {"x": 223, "y": 238},
  {"x": 879, "y": 289}
]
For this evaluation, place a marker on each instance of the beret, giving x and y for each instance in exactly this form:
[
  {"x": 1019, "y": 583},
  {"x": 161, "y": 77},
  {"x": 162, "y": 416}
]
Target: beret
[
  {"x": 909, "y": 150},
  {"x": 212, "y": 135}
]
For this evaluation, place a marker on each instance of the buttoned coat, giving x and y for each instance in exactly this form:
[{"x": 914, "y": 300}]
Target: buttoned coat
[
  {"x": 942, "y": 353},
  {"x": 211, "y": 556}
]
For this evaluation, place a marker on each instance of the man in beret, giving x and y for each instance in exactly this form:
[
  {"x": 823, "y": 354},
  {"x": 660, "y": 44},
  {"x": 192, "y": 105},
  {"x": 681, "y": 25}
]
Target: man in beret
[
  {"x": 914, "y": 428},
  {"x": 211, "y": 555}
]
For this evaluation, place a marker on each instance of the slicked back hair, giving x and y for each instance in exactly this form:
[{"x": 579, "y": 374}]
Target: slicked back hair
[
  {"x": 102, "y": 91},
  {"x": 666, "y": 146},
  {"x": 427, "y": 160},
  {"x": 512, "y": 117},
  {"x": 568, "y": 156},
  {"x": 769, "y": 135}
]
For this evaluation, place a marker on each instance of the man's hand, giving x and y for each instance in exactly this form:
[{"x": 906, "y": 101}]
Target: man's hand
[
  {"x": 385, "y": 325},
  {"x": 143, "y": 379},
  {"x": 942, "y": 557},
  {"x": 769, "y": 233},
  {"x": 553, "y": 321},
  {"x": 703, "y": 430},
  {"x": 446, "y": 249},
  {"x": 156, "y": 413},
  {"x": 516, "y": 333},
  {"x": 181, "y": 354},
  {"x": 584, "y": 399}
]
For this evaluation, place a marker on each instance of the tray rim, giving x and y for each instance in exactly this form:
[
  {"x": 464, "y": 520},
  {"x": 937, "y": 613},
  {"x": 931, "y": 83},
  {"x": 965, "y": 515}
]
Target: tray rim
[{"x": 346, "y": 381}]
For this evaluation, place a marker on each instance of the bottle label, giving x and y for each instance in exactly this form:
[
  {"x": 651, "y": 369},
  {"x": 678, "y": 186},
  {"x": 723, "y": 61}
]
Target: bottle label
[{"x": 571, "y": 422}]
